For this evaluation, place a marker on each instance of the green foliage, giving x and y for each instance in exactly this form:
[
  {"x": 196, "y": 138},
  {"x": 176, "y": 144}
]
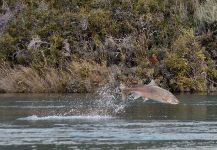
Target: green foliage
[
  {"x": 189, "y": 84},
  {"x": 176, "y": 65},
  {"x": 129, "y": 31},
  {"x": 100, "y": 21},
  {"x": 214, "y": 73},
  {"x": 188, "y": 63},
  {"x": 149, "y": 5}
]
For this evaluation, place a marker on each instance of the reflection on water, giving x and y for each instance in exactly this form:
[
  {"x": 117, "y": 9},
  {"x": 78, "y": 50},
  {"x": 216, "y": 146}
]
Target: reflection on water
[{"x": 90, "y": 122}]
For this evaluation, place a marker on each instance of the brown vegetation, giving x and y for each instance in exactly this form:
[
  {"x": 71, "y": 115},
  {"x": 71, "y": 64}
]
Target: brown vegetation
[{"x": 76, "y": 45}]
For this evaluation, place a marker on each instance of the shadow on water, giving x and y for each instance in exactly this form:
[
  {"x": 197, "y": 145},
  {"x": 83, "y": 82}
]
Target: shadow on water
[{"x": 74, "y": 121}]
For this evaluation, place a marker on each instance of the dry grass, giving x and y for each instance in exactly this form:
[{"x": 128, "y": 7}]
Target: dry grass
[
  {"x": 207, "y": 11},
  {"x": 29, "y": 80}
]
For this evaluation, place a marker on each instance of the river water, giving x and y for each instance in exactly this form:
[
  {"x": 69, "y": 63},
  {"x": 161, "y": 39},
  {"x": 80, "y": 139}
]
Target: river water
[{"x": 53, "y": 121}]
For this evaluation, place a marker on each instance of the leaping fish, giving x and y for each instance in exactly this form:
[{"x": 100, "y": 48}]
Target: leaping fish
[{"x": 150, "y": 91}]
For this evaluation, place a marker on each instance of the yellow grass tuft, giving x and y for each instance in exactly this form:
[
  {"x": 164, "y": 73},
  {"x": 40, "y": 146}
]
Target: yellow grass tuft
[{"x": 29, "y": 80}]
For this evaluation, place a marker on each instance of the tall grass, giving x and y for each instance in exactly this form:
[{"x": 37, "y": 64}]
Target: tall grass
[{"x": 28, "y": 80}]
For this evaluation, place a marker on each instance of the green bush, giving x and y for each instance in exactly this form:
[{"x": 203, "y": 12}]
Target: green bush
[{"x": 178, "y": 32}]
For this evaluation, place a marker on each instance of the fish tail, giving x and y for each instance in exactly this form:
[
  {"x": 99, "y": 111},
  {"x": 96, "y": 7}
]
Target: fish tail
[{"x": 124, "y": 92}]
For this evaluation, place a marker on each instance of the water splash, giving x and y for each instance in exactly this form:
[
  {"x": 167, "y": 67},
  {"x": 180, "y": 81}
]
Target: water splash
[
  {"x": 56, "y": 118},
  {"x": 105, "y": 104},
  {"x": 110, "y": 98}
]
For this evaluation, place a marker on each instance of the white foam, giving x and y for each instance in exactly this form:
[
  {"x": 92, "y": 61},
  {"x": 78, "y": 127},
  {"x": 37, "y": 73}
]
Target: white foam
[
  {"x": 89, "y": 117},
  {"x": 31, "y": 107}
]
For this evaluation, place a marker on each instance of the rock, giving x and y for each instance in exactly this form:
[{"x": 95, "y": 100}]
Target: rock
[
  {"x": 35, "y": 43},
  {"x": 2, "y": 91},
  {"x": 66, "y": 51},
  {"x": 84, "y": 23}
]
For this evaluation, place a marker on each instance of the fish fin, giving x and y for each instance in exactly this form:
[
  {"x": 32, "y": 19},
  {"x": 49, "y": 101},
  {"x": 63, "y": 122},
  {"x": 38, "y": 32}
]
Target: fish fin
[
  {"x": 145, "y": 99},
  {"x": 136, "y": 96},
  {"x": 152, "y": 83}
]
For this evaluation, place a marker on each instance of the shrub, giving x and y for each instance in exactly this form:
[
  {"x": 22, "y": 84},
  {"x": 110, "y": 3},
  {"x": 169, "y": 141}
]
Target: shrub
[{"x": 207, "y": 11}]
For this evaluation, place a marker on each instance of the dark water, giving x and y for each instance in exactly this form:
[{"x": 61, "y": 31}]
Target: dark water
[{"x": 88, "y": 122}]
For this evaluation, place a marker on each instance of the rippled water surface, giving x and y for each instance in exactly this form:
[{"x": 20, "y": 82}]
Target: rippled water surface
[{"x": 92, "y": 122}]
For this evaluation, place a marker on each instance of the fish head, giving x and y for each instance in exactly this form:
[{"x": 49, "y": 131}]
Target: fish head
[{"x": 172, "y": 100}]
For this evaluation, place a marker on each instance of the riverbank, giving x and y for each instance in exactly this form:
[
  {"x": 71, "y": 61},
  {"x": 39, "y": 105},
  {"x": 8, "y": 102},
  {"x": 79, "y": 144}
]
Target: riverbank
[
  {"x": 78, "y": 46},
  {"x": 82, "y": 77}
]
